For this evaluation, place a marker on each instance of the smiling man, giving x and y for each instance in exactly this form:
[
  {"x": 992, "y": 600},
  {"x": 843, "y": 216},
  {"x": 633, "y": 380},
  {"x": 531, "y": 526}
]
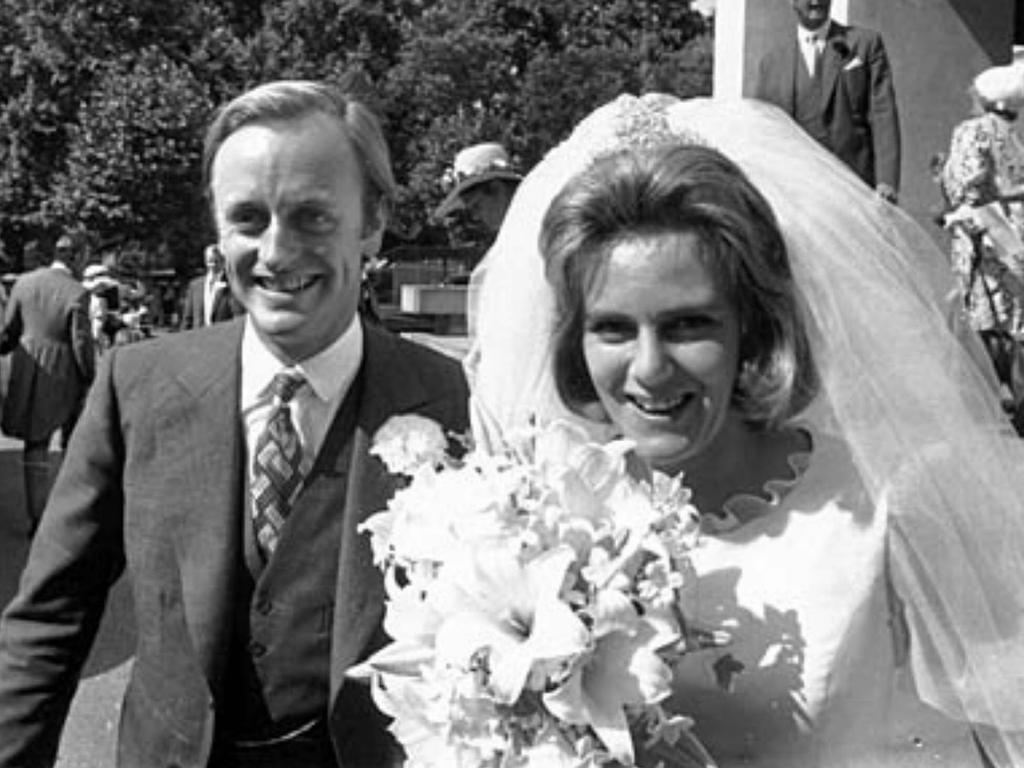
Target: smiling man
[
  {"x": 836, "y": 82},
  {"x": 227, "y": 470}
]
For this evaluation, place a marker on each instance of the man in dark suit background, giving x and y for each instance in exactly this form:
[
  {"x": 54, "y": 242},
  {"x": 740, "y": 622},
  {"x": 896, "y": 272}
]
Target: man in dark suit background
[
  {"x": 835, "y": 81},
  {"x": 208, "y": 298},
  {"x": 46, "y": 327},
  {"x": 228, "y": 469}
]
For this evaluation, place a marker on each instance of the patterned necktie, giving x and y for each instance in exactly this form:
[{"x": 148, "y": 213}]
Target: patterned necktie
[{"x": 276, "y": 477}]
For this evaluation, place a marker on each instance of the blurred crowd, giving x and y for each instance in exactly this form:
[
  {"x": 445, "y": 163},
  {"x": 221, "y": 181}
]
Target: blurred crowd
[
  {"x": 123, "y": 308},
  {"x": 58, "y": 319}
]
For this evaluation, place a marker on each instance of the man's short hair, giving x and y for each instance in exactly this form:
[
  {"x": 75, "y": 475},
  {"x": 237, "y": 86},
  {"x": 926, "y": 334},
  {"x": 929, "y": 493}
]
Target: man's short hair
[{"x": 293, "y": 99}]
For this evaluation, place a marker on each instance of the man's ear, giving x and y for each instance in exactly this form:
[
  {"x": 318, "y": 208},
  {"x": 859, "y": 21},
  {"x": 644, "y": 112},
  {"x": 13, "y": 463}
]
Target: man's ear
[{"x": 374, "y": 224}]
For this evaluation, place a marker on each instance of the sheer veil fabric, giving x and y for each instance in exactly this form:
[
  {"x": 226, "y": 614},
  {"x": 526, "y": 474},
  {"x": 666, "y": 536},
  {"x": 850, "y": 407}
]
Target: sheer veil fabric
[{"x": 904, "y": 384}]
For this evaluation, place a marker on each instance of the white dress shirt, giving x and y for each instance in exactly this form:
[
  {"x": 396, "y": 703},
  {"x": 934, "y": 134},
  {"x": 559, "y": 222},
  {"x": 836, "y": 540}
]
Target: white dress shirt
[
  {"x": 328, "y": 375},
  {"x": 214, "y": 283},
  {"x": 812, "y": 43}
]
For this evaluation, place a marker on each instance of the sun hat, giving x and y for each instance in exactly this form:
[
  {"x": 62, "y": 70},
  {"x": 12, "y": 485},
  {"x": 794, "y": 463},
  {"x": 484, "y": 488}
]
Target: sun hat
[
  {"x": 473, "y": 166},
  {"x": 96, "y": 276},
  {"x": 1002, "y": 87}
]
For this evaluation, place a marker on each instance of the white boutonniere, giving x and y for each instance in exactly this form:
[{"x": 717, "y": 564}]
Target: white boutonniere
[
  {"x": 409, "y": 441},
  {"x": 853, "y": 63}
]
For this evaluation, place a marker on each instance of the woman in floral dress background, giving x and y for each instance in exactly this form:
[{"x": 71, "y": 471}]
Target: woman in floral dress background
[{"x": 983, "y": 173}]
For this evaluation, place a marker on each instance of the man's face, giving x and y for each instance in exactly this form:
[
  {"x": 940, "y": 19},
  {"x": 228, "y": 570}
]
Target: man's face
[
  {"x": 214, "y": 261},
  {"x": 812, "y": 13},
  {"x": 288, "y": 202},
  {"x": 488, "y": 203}
]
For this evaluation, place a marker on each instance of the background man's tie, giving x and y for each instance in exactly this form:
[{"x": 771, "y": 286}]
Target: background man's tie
[
  {"x": 819, "y": 50},
  {"x": 276, "y": 477},
  {"x": 815, "y": 46}
]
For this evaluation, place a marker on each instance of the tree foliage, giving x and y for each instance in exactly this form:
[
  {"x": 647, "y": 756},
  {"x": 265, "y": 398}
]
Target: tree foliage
[
  {"x": 103, "y": 102},
  {"x": 523, "y": 72},
  {"x": 129, "y": 176}
]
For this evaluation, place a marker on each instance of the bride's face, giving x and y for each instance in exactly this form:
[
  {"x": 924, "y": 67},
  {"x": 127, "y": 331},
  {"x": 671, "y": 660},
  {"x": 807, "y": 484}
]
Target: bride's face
[{"x": 661, "y": 342}]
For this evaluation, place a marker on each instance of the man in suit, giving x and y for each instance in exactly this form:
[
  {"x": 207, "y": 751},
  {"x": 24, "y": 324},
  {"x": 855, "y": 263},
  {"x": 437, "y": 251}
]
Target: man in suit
[
  {"x": 835, "y": 81},
  {"x": 228, "y": 470},
  {"x": 208, "y": 298},
  {"x": 46, "y": 327}
]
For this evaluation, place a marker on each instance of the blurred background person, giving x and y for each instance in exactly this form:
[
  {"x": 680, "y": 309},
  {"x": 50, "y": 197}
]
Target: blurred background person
[
  {"x": 64, "y": 254},
  {"x": 836, "y": 82},
  {"x": 484, "y": 183},
  {"x": 982, "y": 181},
  {"x": 208, "y": 298},
  {"x": 136, "y": 315},
  {"x": 46, "y": 327},
  {"x": 104, "y": 303}
]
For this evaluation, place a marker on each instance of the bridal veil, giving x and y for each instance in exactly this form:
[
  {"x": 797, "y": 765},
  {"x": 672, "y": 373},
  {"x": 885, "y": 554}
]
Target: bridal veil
[{"x": 903, "y": 383}]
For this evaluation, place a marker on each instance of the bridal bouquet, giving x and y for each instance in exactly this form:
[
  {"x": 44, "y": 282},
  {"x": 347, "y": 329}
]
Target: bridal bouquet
[{"x": 531, "y": 602}]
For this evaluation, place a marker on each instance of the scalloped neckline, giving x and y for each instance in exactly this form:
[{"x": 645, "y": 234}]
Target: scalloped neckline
[{"x": 751, "y": 507}]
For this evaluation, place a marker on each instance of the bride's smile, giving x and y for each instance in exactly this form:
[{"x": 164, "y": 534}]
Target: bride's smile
[{"x": 661, "y": 344}]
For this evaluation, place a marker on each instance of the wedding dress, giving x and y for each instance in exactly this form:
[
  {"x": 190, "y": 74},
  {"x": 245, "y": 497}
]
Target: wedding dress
[
  {"x": 876, "y": 604},
  {"x": 805, "y": 589}
]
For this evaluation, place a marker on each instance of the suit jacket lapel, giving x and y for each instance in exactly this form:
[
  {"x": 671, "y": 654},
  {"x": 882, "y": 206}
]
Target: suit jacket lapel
[
  {"x": 390, "y": 386},
  {"x": 221, "y": 296},
  {"x": 790, "y": 59},
  {"x": 206, "y": 410},
  {"x": 833, "y": 59}
]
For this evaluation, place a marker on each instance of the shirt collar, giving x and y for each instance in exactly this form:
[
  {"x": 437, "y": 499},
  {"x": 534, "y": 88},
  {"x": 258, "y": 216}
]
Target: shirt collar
[
  {"x": 817, "y": 35},
  {"x": 329, "y": 372},
  {"x": 58, "y": 264}
]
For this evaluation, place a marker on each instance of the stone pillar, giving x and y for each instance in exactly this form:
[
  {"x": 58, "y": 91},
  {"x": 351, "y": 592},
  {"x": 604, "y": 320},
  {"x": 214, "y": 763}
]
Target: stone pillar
[
  {"x": 935, "y": 47},
  {"x": 730, "y": 47}
]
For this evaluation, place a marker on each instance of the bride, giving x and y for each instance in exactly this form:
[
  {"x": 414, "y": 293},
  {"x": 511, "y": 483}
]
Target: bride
[{"x": 701, "y": 278}]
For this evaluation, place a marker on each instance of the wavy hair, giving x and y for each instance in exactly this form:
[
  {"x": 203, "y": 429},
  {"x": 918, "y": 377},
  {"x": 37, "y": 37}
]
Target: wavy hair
[{"x": 681, "y": 188}]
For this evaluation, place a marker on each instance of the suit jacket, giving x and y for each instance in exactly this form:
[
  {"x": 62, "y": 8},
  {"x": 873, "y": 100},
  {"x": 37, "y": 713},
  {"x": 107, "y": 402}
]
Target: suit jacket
[
  {"x": 46, "y": 326},
  {"x": 224, "y": 304},
  {"x": 153, "y": 479},
  {"x": 859, "y": 102}
]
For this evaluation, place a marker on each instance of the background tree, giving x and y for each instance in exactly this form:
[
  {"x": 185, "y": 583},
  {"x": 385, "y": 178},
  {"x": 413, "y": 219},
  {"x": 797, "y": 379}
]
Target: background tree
[
  {"x": 102, "y": 101},
  {"x": 55, "y": 53},
  {"x": 129, "y": 180},
  {"x": 523, "y": 72}
]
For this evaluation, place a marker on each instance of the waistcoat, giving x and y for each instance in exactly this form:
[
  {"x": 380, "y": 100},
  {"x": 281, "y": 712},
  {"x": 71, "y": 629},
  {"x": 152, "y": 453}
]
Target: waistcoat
[
  {"x": 809, "y": 103},
  {"x": 278, "y": 672}
]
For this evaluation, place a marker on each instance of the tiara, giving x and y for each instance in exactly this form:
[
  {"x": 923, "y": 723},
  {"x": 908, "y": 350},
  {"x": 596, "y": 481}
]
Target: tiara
[{"x": 632, "y": 122}]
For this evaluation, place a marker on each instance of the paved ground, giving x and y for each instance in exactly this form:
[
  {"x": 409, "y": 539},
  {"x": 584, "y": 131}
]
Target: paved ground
[{"x": 89, "y": 735}]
